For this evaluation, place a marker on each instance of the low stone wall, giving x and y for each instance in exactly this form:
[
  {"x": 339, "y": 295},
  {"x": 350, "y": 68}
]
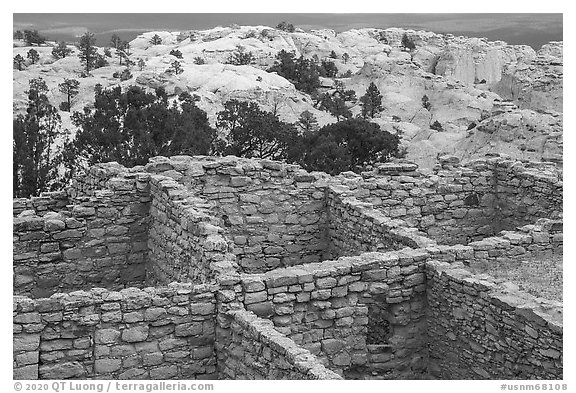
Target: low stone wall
[
  {"x": 253, "y": 349},
  {"x": 339, "y": 310},
  {"x": 182, "y": 240},
  {"x": 480, "y": 330},
  {"x": 356, "y": 227},
  {"x": 98, "y": 241},
  {"x": 156, "y": 333},
  {"x": 274, "y": 213},
  {"x": 545, "y": 237}
]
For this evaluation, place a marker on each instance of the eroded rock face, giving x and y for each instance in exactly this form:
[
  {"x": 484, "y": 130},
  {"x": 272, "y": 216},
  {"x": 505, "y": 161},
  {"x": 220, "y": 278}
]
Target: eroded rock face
[{"x": 536, "y": 85}]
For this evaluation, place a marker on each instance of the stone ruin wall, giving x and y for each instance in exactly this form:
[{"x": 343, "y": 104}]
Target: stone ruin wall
[
  {"x": 182, "y": 241},
  {"x": 274, "y": 213},
  {"x": 459, "y": 204},
  {"x": 363, "y": 313},
  {"x": 479, "y": 330},
  {"x": 156, "y": 333},
  {"x": 366, "y": 313},
  {"x": 93, "y": 240}
]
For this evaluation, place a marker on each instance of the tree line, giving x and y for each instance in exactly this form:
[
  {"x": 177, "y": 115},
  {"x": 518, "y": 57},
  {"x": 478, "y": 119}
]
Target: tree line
[{"x": 131, "y": 125}]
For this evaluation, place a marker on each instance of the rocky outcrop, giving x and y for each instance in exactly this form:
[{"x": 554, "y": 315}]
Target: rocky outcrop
[{"x": 536, "y": 85}]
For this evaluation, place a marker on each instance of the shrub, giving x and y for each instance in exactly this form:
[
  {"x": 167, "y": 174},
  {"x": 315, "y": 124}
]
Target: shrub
[
  {"x": 408, "y": 42},
  {"x": 285, "y": 26},
  {"x": 176, "y": 53},
  {"x": 60, "y": 51},
  {"x": 241, "y": 57},
  {"x": 437, "y": 126}
]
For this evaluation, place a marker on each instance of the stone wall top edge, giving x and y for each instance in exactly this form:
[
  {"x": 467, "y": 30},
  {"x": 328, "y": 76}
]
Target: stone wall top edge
[
  {"x": 389, "y": 170},
  {"x": 103, "y": 295}
]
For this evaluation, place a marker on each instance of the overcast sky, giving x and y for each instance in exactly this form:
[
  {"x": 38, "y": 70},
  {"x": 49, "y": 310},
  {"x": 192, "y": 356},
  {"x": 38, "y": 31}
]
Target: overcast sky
[{"x": 529, "y": 29}]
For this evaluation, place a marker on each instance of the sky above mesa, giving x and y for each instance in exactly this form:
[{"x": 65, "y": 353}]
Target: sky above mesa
[{"x": 527, "y": 29}]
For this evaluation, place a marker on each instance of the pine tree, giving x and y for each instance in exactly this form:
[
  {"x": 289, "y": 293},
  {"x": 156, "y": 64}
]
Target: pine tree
[
  {"x": 155, "y": 40},
  {"x": 88, "y": 54},
  {"x": 176, "y": 67},
  {"x": 33, "y": 55},
  {"x": 115, "y": 41},
  {"x": 307, "y": 122},
  {"x": 70, "y": 88},
  {"x": 371, "y": 102}
]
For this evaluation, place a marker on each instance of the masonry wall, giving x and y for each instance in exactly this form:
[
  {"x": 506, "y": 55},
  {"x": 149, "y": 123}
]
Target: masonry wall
[
  {"x": 253, "y": 349},
  {"x": 157, "y": 333},
  {"x": 479, "y": 330},
  {"x": 357, "y": 227},
  {"x": 183, "y": 242},
  {"x": 99, "y": 241},
  {"x": 274, "y": 213},
  {"x": 528, "y": 192},
  {"x": 459, "y": 204},
  {"x": 47, "y": 202},
  {"x": 339, "y": 309}
]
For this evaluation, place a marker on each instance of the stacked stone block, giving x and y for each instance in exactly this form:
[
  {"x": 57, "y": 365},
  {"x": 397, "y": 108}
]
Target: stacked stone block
[
  {"x": 357, "y": 227},
  {"x": 155, "y": 333},
  {"x": 183, "y": 241},
  {"x": 481, "y": 330},
  {"x": 273, "y": 213},
  {"x": 47, "y": 202},
  {"x": 254, "y": 349},
  {"x": 457, "y": 203},
  {"x": 97, "y": 241},
  {"x": 325, "y": 308}
]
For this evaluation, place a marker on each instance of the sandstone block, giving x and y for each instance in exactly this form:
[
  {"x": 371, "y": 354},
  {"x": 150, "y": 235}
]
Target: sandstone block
[{"x": 135, "y": 334}]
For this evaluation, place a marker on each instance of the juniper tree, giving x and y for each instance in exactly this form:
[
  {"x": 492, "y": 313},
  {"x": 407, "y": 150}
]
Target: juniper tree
[
  {"x": 19, "y": 61},
  {"x": 176, "y": 53},
  {"x": 408, "y": 42},
  {"x": 241, "y": 57},
  {"x": 33, "y": 38},
  {"x": 35, "y": 162}
]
